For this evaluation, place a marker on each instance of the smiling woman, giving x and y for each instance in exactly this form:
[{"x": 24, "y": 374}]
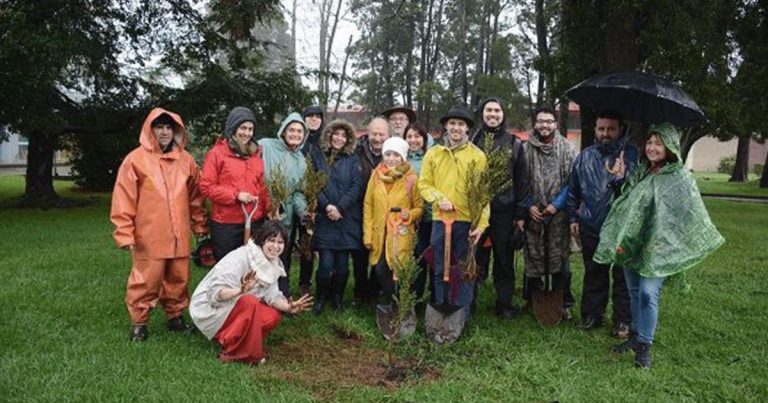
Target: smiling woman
[{"x": 238, "y": 302}]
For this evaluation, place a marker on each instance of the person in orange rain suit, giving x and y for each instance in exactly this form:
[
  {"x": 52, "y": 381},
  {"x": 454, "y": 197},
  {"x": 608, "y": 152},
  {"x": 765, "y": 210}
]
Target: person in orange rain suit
[{"x": 155, "y": 198}]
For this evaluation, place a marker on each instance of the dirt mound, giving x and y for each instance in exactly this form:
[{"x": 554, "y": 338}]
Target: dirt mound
[{"x": 329, "y": 365}]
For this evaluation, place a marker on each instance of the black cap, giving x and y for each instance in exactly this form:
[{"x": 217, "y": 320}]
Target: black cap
[
  {"x": 458, "y": 112},
  {"x": 312, "y": 110},
  {"x": 237, "y": 116}
]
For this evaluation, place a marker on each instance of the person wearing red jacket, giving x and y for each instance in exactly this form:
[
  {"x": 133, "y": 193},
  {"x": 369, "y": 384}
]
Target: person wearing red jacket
[
  {"x": 233, "y": 178},
  {"x": 155, "y": 204}
]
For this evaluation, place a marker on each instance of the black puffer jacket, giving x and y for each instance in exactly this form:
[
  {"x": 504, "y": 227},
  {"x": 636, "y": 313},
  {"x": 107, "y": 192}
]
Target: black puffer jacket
[{"x": 511, "y": 200}]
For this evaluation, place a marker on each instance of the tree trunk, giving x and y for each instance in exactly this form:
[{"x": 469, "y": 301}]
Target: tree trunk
[
  {"x": 741, "y": 167},
  {"x": 543, "y": 49},
  {"x": 38, "y": 190},
  {"x": 347, "y": 52},
  {"x": 764, "y": 176}
]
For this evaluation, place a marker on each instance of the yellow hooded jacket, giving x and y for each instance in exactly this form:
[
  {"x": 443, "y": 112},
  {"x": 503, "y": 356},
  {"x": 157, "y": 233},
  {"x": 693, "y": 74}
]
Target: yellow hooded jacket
[
  {"x": 443, "y": 176},
  {"x": 378, "y": 201}
]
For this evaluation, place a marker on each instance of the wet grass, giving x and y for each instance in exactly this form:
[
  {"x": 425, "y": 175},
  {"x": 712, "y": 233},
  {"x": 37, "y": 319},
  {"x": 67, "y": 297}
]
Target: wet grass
[
  {"x": 64, "y": 328},
  {"x": 717, "y": 183}
]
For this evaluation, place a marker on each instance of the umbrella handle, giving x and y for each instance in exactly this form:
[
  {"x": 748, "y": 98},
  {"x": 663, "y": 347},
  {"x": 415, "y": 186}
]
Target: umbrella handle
[{"x": 394, "y": 220}]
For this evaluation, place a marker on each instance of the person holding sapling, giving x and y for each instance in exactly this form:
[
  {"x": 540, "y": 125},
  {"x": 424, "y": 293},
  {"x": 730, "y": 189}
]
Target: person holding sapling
[
  {"x": 391, "y": 209},
  {"x": 506, "y": 207},
  {"x": 238, "y": 303},
  {"x": 549, "y": 157},
  {"x": 658, "y": 228},
  {"x": 233, "y": 179},
  {"x": 338, "y": 223},
  {"x": 314, "y": 118},
  {"x": 442, "y": 184},
  {"x": 284, "y": 167}
]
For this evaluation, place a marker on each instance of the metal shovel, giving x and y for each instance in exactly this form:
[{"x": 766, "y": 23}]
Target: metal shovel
[
  {"x": 445, "y": 322},
  {"x": 248, "y": 217},
  {"x": 547, "y": 303}
]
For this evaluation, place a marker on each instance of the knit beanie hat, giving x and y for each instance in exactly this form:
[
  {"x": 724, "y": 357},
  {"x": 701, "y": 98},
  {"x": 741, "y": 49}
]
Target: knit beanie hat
[
  {"x": 396, "y": 144},
  {"x": 237, "y": 116}
]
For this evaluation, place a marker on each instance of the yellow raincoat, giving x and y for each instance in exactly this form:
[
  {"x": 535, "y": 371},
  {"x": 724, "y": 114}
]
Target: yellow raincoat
[
  {"x": 443, "y": 176},
  {"x": 378, "y": 201}
]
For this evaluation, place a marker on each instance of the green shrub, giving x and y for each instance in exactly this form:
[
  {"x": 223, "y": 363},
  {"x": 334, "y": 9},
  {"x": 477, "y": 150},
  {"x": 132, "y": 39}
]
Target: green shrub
[
  {"x": 758, "y": 169},
  {"x": 726, "y": 164}
]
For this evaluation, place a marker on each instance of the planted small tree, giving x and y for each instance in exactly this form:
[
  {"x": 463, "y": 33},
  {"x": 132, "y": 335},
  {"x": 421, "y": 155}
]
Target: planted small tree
[
  {"x": 278, "y": 191},
  {"x": 405, "y": 299}
]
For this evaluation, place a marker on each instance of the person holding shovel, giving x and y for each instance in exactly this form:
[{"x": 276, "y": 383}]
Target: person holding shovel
[
  {"x": 233, "y": 180},
  {"x": 155, "y": 198},
  {"x": 549, "y": 157},
  {"x": 442, "y": 185},
  {"x": 338, "y": 227},
  {"x": 238, "y": 303},
  {"x": 391, "y": 209},
  {"x": 658, "y": 228}
]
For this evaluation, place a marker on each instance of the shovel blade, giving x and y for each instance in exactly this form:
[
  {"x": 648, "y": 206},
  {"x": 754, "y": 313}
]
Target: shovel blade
[
  {"x": 444, "y": 325},
  {"x": 386, "y": 314},
  {"x": 547, "y": 306}
]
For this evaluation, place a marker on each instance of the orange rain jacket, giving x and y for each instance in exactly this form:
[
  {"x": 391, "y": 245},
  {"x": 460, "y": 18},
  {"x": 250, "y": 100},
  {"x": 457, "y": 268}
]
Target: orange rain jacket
[{"x": 156, "y": 196}]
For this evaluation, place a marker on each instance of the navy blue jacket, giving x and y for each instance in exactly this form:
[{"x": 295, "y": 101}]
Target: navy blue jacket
[
  {"x": 591, "y": 185},
  {"x": 343, "y": 190}
]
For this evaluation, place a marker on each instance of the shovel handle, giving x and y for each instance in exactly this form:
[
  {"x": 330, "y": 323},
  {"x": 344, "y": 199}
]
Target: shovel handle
[
  {"x": 448, "y": 218},
  {"x": 248, "y": 216}
]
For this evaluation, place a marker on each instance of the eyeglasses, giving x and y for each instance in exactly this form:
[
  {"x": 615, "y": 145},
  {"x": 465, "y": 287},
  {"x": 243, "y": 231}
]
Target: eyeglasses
[
  {"x": 545, "y": 122},
  {"x": 398, "y": 119}
]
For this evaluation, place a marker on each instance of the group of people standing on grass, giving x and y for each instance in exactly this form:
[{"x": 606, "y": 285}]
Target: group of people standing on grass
[{"x": 386, "y": 199}]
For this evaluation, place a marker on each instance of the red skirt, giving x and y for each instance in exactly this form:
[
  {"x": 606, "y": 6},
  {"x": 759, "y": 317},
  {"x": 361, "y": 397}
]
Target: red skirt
[{"x": 242, "y": 335}]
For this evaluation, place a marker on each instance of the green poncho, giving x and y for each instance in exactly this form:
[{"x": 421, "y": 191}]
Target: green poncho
[{"x": 659, "y": 225}]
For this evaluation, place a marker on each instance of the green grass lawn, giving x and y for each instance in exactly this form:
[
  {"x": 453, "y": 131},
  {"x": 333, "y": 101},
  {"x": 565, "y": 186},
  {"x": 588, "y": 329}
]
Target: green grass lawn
[
  {"x": 717, "y": 183},
  {"x": 64, "y": 332}
]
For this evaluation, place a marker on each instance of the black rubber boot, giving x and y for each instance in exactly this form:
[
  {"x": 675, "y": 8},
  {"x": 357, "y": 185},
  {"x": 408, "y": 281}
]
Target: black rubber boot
[
  {"x": 339, "y": 284},
  {"x": 179, "y": 325},
  {"x": 627, "y": 345},
  {"x": 322, "y": 291},
  {"x": 139, "y": 333},
  {"x": 643, "y": 355}
]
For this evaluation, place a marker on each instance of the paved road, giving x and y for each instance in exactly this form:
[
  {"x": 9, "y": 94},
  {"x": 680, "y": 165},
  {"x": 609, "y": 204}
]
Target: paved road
[{"x": 62, "y": 170}]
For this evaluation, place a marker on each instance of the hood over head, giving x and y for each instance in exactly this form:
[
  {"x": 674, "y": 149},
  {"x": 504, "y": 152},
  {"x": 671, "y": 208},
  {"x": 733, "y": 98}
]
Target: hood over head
[
  {"x": 349, "y": 130},
  {"x": 479, "y": 115},
  {"x": 293, "y": 117},
  {"x": 669, "y": 136},
  {"x": 313, "y": 110},
  {"x": 147, "y": 137}
]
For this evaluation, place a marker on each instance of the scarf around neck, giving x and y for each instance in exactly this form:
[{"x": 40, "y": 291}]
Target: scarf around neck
[{"x": 390, "y": 175}]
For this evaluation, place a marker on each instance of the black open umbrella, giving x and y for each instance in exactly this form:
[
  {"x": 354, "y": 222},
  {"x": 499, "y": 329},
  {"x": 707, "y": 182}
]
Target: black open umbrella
[{"x": 638, "y": 96}]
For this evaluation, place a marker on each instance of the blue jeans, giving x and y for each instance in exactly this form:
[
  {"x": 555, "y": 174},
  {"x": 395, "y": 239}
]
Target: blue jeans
[
  {"x": 644, "y": 303},
  {"x": 332, "y": 262},
  {"x": 458, "y": 291}
]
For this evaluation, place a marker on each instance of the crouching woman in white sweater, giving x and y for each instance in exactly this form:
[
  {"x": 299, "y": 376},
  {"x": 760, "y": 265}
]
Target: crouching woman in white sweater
[{"x": 238, "y": 303}]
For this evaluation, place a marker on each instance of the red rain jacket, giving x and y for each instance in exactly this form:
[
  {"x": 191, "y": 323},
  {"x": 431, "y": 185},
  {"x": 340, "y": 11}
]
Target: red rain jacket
[{"x": 225, "y": 175}]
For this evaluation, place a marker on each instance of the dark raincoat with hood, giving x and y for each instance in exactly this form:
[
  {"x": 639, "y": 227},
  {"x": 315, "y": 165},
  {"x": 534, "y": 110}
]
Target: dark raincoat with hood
[
  {"x": 659, "y": 225},
  {"x": 509, "y": 201},
  {"x": 591, "y": 185},
  {"x": 343, "y": 190}
]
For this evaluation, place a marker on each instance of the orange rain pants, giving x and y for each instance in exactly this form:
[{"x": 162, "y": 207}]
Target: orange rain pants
[{"x": 157, "y": 279}]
